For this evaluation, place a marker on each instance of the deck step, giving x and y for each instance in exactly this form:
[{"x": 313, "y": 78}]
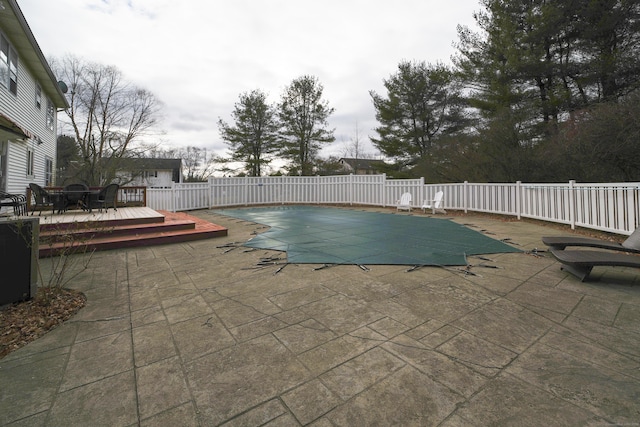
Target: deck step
[
  {"x": 82, "y": 232},
  {"x": 106, "y": 223},
  {"x": 173, "y": 228}
]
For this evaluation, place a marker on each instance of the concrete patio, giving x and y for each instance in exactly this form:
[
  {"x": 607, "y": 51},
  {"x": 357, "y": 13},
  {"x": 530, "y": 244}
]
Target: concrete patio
[{"x": 192, "y": 334}]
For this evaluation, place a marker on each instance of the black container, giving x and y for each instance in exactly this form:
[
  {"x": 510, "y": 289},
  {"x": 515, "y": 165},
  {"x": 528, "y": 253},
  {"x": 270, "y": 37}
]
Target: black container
[{"x": 18, "y": 259}]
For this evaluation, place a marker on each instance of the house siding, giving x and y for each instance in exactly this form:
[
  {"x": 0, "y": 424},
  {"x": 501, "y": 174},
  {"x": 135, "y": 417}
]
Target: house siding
[
  {"x": 361, "y": 166},
  {"x": 163, "y": 180},
  {"x": 22, "y": 109},
  {"x": 150, "y": 172}
]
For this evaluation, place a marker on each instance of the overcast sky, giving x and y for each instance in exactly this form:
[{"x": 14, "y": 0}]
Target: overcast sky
[{"x": 198, "y": 56}]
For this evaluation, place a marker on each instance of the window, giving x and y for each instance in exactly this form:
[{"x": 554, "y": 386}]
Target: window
[
  {"x": 38, "y": 97},
  {"x": 48, "y": 173},
  {"x": 30, "y": 162},
  {"x": 50, "y": 114},
  {"x": 8, "y": 66}
]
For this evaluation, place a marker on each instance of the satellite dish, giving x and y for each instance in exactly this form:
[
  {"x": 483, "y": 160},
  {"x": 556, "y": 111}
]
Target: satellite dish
[{"x": 63, "y": 86}]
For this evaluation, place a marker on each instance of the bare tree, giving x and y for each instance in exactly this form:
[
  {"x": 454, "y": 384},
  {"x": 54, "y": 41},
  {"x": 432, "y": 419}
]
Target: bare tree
[
  {"x": 198, "y": 164},
  {"x": 354, "y": 148},
  {"x": 107, "y": 114}
]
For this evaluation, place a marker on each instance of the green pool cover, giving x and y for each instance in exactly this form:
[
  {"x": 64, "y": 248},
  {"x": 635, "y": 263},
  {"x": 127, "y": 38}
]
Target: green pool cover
[{"x": 318, "y": 235}]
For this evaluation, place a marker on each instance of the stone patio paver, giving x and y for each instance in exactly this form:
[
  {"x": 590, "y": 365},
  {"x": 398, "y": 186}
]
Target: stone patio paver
[{"x": 192, "y": 334}]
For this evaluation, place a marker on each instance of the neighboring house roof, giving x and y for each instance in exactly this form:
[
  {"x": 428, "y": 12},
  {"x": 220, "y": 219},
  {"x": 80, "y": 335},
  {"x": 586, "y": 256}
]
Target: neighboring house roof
[
  {"x": 362, "y": 164},
  {"x": 15, "y": 25}
]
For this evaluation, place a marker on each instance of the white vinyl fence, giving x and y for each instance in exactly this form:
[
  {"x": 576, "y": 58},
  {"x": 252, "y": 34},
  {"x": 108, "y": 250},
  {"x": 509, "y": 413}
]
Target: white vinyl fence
[{"x": 611, "y": 207}]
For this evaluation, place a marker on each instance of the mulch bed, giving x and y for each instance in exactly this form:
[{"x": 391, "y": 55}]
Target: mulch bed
[{"x": 23, "y": 322}]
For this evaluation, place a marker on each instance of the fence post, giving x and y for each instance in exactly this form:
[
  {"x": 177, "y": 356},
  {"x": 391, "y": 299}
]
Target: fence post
[
  {"x": 209, "y": 192},
  {"x": 245, "y": 190},
  {"x": 173, "y": 197},
  {"x": 572, "y": 204},
  {"x": 384, "y": 190},
  {"x": 351, "y": 189},
  {"x": 283, "y": 187},
  {"x": 518, "y": 199},
  {"x": 465, "y": 196}
]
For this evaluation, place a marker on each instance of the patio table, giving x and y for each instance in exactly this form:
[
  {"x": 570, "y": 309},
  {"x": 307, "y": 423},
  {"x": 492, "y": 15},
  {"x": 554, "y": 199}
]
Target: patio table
[
  {"x": 76, "y": 198},
  {"x": 81, "y": 198}
]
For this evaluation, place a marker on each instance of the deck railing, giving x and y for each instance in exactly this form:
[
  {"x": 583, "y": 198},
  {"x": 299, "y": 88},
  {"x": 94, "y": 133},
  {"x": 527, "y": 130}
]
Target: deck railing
[
  {"x": 611, "y": 207},
  {"x": 127, "y": 196}
]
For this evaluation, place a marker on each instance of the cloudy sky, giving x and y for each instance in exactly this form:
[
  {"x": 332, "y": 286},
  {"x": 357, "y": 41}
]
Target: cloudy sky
[{"x": 198, "y": 56}]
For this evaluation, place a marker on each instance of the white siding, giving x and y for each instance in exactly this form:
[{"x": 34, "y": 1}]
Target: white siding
[
  {"x": 22, "y": 109},
  {"x": 163, "y": 180}
]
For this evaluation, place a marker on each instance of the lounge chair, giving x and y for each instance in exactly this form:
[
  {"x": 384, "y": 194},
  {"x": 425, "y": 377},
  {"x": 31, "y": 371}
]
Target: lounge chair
[
  {"x": 436, "y": 205},
  {"x": 580, "y": 263},
  {"x": 631, "y": 244},
  {"x": 405, "y": 202}
]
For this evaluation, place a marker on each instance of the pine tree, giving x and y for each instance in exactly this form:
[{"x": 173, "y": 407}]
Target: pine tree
[
  {"x": 303, "y": 117},
  {"x": 423, "y": 103},
  {"x": 253, "y": 136}
]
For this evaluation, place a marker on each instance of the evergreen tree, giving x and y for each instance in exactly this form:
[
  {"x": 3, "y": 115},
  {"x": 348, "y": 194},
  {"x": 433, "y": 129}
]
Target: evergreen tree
[
  {"x": 67, "y": 158},
  {"x": 535, "y": 64},
  {"x": 67, "y": 151},
  {"x": 303, "y": 117},
  {"x": 423, "y": 103},
  {"x": 542, "y": 59},
  {"x": 252, "y": 139},
  {"x": 610, "y": 43}
]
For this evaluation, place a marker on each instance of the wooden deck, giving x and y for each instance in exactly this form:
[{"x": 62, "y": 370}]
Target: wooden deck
[
  {"x": 126, "y": 227},
  {"x": 122, "y": 214}
]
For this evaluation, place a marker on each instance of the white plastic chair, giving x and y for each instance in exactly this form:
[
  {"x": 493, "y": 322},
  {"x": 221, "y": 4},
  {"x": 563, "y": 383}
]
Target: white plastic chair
[
  {"x": 436, "y": 205},
  {"x": 405, "y": 202}
]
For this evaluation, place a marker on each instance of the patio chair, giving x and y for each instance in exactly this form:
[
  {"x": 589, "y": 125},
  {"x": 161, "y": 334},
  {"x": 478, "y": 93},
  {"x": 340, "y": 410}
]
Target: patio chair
[
  {"x": 106, "y": 198},
  {"x": 405, "y": 202},
  {"x": 580, "y": 263},
  {"x": 631, "y": 244},
  {"x": 17, "y": 201},
  {"x": 45, "y": 200},
  {"x": 436, "y": 205}
]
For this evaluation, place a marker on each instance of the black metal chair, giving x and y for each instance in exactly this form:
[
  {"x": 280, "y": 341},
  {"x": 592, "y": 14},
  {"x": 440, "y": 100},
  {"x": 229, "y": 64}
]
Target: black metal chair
[
  {"x": 45, "y": 200},
  {"x": 107, "y": 198},
  {"x": 17, "y": 201}
]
